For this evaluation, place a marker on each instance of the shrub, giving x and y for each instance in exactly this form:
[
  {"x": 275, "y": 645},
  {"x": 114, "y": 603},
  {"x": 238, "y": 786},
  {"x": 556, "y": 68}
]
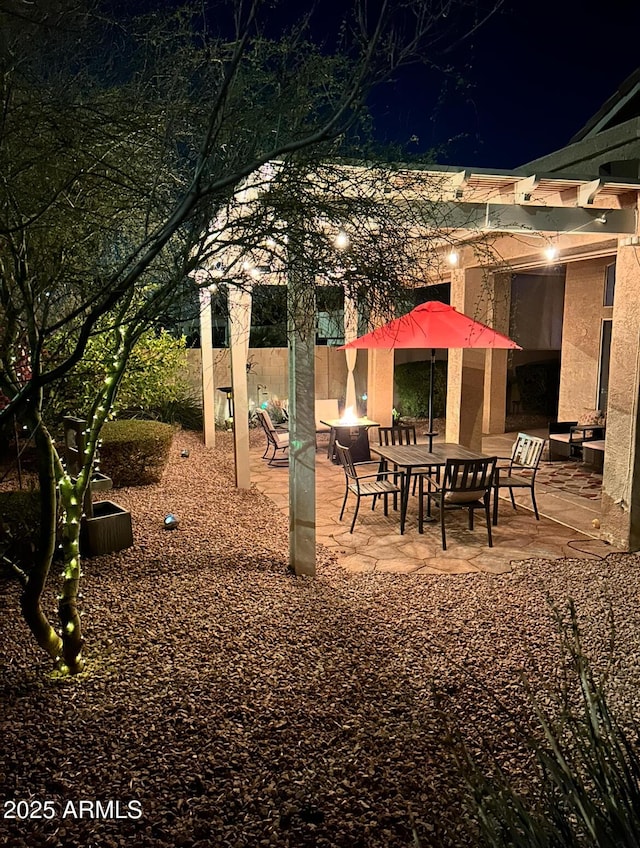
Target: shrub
[
  {"x": 184, "y": 411},
  {"x": 588, "y": 772},
  {"x": 134, "y": 452},
  {"x": 412, "y": 382},
  {"x": 19, "y": 527},
  {"x": 153, "y": 378}
]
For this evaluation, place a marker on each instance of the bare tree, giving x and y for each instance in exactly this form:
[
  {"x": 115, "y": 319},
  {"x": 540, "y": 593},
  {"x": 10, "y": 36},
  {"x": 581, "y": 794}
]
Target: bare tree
[{"x": 113, "y": 169}]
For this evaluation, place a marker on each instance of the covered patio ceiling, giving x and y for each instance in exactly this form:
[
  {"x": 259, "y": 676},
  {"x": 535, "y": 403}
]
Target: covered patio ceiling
[{"x": 507, "y": 201}]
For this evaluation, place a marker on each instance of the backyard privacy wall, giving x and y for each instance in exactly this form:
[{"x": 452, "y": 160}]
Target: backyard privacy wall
[{"x": 268, "y": 374}]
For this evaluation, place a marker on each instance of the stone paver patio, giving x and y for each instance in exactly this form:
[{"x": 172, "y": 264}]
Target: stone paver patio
[{"x": 377, "y": 546}]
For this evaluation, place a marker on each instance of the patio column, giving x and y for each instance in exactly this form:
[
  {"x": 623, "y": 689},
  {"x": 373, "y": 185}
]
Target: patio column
[
  {"x": 207, "y": 373},
  {"x": 239, "y": 324},
  {"x": 465, "y": 371},
  {"x": 301, "y": 310},
  {"x": 620, "y": 523},
  {"x": 380, "y": 386},
  {"x": 495, "y": 370}
]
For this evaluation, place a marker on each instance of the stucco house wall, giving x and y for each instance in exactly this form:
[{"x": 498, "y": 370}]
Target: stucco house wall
[{"x": 582, "y": 329}]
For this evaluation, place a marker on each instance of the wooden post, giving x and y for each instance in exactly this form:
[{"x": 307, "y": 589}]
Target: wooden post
[
  {"x": 302, "y": 431},
  {"x": 206, "y": 353},
  {"x": 240, "y": 322}
]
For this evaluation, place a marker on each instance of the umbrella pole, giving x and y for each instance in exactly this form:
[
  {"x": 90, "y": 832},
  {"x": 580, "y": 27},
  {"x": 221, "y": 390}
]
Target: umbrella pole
[{"x": 431, "y": 373}]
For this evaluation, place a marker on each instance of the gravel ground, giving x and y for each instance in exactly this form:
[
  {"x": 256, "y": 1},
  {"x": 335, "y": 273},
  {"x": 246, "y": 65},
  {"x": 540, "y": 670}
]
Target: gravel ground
[{"x": 238, "y": 705}]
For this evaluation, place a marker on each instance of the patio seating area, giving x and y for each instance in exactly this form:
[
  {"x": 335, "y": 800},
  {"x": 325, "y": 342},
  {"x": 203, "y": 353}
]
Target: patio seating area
[{"x": 564, "y": 529}]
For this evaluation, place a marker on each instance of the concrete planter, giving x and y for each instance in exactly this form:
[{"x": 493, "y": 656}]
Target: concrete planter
[
  {"x": 107, "y": 531},
  {"x": 100, "y": 482}
]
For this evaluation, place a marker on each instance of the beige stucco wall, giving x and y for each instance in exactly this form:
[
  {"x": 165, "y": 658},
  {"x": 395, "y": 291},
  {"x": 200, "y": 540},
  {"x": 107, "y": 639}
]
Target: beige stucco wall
[
  {"x": 621, "y": 483},
  {"x": 269, "y": 374},
  {"x": 583, "y": 315}
]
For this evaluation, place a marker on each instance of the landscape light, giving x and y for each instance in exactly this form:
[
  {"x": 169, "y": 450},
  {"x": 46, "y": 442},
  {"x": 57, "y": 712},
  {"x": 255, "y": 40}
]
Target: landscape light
[{"x": 170, "y": 522}]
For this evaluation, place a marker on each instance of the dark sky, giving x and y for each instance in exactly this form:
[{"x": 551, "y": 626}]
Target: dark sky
[{"x": 534, "y": 75}]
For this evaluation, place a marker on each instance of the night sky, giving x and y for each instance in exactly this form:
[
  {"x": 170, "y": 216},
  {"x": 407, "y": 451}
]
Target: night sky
[
  {"x": 534, "y": 75},
  {"x": 531, "y": 77}
]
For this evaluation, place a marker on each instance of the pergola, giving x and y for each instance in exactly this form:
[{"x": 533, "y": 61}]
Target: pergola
[{"x": 533, "y": 220}]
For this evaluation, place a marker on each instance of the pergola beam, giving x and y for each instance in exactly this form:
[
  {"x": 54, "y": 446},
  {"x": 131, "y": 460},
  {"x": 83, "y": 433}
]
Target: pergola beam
[
  {"x": 518, "y": 218},
  {"x": 457, "y": 183},
  {"x": 588, "y": 191},
  {"x": 523, "y": 189}
]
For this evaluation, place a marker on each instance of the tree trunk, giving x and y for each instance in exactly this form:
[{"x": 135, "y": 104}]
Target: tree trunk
[
  {"x": 31, "y": 600},
  {"x": 71, "y": 500}
]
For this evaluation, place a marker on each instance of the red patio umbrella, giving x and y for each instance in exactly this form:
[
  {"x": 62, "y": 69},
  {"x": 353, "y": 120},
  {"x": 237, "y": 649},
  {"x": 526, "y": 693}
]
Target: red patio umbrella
[{"x": 433, "y": 325}]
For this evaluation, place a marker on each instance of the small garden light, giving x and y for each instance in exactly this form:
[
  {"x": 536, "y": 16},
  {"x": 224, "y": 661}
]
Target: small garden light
[{"x": 170, "y": 521}]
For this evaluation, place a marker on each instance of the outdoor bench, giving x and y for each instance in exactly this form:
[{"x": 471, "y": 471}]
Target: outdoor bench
[
  {"x": 593, "y": 453},
  {"x": 568, "y": 438}
]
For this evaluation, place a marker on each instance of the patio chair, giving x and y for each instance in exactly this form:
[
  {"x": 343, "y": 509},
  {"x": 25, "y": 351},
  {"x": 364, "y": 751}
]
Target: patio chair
[
  {"x": 277, "y": 440},
  {"x": 520, "y": 472},
  {"x": 397, "y": 434},
  {"x": 372, "y": 485},
  {"x": 466, "y": 484}
]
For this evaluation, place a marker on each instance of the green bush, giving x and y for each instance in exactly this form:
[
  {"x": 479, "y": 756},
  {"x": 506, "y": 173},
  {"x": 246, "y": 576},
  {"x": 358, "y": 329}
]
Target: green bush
[
  {"x": 134, "y": 452},
  {"x": 19, "y": 527},
  {"x": 184, "y": 411},
  {"x": 412, "y": 382},
  {"x": 153, "y": 384}
]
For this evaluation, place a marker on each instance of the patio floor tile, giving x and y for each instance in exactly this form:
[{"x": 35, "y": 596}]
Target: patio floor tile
[{"x": 376, "y": 544}]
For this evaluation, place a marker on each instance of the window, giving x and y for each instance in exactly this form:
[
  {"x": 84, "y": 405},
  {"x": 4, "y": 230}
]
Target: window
[
  {"x": 605, "y": 353},
  {"x": 609, "y": 284}
]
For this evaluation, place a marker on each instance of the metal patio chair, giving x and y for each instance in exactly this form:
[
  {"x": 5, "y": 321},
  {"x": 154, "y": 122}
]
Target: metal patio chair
[
  {"x": 397, "y": 434},
  {"x": 277, "y": 440},
  {"x": 372, "y": 485},
  {"x": 464, "y": 484},
  {"x": 519, "y": 472}
]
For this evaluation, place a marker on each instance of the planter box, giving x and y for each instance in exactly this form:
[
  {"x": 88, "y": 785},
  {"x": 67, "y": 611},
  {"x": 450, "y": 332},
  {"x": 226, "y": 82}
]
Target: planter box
[
  {"x": 108, "y": 531},
  {"x": 100, "y": 482}
]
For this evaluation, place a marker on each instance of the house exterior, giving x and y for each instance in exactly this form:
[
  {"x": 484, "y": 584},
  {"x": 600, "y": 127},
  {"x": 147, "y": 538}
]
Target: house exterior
[
  {"x": 597, "y": 173},
  {"x": 565, "y": 241}
]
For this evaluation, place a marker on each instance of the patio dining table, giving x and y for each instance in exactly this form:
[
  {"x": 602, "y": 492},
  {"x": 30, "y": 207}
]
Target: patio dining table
[{"x": 407, "y": 458}]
